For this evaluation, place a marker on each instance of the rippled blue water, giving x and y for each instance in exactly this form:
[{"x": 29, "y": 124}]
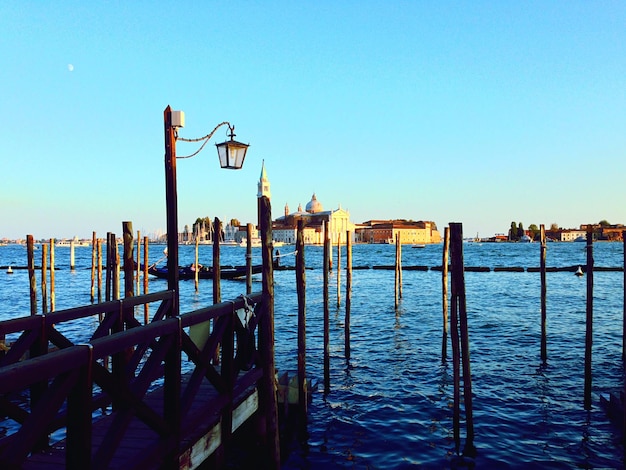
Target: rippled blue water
[{"x": 390, "y": 405}]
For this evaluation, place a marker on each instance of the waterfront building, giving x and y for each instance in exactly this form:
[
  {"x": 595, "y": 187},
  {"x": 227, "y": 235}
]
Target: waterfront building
[{"x": 410, "y": 232}]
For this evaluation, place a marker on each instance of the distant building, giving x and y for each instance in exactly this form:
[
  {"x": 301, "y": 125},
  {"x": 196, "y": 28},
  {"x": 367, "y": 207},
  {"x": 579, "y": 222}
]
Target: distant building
[
  {"x": 285, "y": 228},
  {"x": 410, "y": 232}
]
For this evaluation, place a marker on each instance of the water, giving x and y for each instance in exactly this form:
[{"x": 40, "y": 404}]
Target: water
[{"x": 390, "y": 405}]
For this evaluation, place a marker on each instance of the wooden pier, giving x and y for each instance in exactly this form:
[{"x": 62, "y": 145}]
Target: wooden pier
[{"x": 150, "y": 409}]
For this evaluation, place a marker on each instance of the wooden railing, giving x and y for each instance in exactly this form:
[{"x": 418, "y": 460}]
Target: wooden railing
[{"x": 48, "y": 383}]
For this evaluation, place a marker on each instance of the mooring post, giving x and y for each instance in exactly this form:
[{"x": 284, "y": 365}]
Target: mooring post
[
  {"x": 146, "y": 307},
  {"x": 326, "y": 310},
  {"x": 544, "y": 314},
  {"x": 458, "y": 289},
  {"x": 30, "y": 253},
  {"x": 589, "y": 317},
  {"x": 266, "y": 340},
  {"x": 94, "y": 242},
  {"x": 396, "y": 281},
  {"x": 196, "y": 266},
  {"x": 624, "y": 315},
  {"x": 108, "y": 275},
  {"x": 338, "y": 269},
  {"x": 138, "y": 263},
  {"x": 129, "y": 259},
  {"x": 217, "y": 288},
  {"x": 44, "y": 278},
  {"x": 444, "y": 292},
  {"x": 249, "y": 259},
  {"x": 348, "y": 294},
  {"x": 301, "y": 291},
  {"x": 72, "y": 258},
  {"x": 52, "y": 298},
  {"x": 99, "y": 271}
]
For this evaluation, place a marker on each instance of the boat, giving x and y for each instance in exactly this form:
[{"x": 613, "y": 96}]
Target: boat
[
  {"x": 579, "y": 271},
  {"x": 10, "y": 270},
  {"x": 206, "y": 272},
  {"x": 420, "y": 245}
]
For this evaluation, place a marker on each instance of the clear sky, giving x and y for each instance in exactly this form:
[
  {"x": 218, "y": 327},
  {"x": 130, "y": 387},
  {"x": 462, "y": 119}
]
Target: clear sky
[{"x": 480, "y": 112}]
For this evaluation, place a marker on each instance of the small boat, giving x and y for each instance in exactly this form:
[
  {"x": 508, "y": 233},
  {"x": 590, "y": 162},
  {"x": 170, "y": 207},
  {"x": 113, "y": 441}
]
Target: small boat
[
  {"x": 10, "y": 270},
  {"x": 421, "y": 245},
  {"x": 206, "y": 272},
  {"x": 579, "y": 271}
]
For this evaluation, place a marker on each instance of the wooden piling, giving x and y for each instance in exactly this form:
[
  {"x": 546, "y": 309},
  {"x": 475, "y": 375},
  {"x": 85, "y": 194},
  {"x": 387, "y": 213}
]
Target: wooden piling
[
  {"x": 348, "y": 294},
  {"x": 459, "y": 304},
  {"x": 544, "y": 315},
  {"x": 108, "y": 278},
  {"x": 94, "y": 248},
  {"x": 217, "y": 289},
  {"x": 52, "y": 295},
  {"x": 146, "y": 307},
  {"x": 248, "y": 258},
  {"x": 99, "y": 269},
  {"x": 44, "y": 278},
  {"x": 396, "y": 283},
  {"x": 326, "y": 310},
  {"x": 30, "y": 253},
  {"x": 196, "y": 265},
  {"x": 129, "y": 259},
  {"x": 301, "y": 291},
  {"x": 338, "y": 270},
  {"x": 589, "y": 318},
  {"x": 624, "y": 314},
  {"x": 138, "y": 264},
  {"x": 444, "y": 292},
  {"x": 72, "y": 257},
  {"x": 268, "y": 399}
]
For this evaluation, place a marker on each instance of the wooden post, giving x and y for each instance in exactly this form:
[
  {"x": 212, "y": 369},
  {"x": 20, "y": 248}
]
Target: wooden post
[
  {"x": 94, "y": 242},
  {"x": 326, "y": 310},
  {"x": 544, "y": 314},
  {"x": 266, "y": 340},
  {"x": 589, "y": 318},
  {"x": 30, "y": 252},
  {"x": 624, "y": 315},
  {"x": 196, "y": 265},
  {"x": 248, "y": 258},
  {"x": 108, "y": 284},
  {"x": 301, "y": 290},
  {"x": 72, "y": 258},
  {"x": 459, "y": 303},
  {"x": 99, "y": 270},
  {"x": 400, "y": 265},
  {"x": 146, "y": 307},
  {"x": 129, "y": 259},
  {"x": 138, "y": 263},
  {"x": 396, "y": 285},
  {"x": 52, "y": 297},
  {"x": 444, "y": 291},
  {"x": 338, "y": 269},
  {"x": 217, "y": 292},
  {"x": 348, "y": 294},
  {"x": 44, "y": 278}
]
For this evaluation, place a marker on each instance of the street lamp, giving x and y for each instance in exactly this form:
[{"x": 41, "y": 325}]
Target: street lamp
[{"x": 231, "y": 155}]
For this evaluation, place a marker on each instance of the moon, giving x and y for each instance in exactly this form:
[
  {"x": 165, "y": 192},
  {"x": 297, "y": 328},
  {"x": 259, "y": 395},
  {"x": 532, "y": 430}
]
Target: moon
[{"x": 70, "y": 67}]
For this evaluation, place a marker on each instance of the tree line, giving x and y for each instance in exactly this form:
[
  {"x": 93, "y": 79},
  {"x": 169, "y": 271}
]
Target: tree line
[{"x": 516, "y": 231}]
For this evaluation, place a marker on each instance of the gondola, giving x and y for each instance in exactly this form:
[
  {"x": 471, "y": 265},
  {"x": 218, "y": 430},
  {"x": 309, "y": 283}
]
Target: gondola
[{"x": 206, "y": 272}]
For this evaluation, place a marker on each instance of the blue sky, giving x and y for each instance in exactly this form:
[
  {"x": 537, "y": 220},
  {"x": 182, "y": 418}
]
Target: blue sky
[{"x": 467, "y": 111}]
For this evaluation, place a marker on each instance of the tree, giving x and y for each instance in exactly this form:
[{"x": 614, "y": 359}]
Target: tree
[
  {"x": 235, "y": 223},
  {"x": 534, "y": 230},
  {"x": 554, "y": 227},
  {"x": 513, "y": 231},
  {"x": 520, "y": 231},
  {"x": 604, "y": 223}
]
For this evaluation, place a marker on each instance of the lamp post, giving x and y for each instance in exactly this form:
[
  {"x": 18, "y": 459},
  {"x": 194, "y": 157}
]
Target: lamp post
[{"x": 231, "y": 156}]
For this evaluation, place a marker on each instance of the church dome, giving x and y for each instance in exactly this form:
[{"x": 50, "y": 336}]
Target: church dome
[{"x": 314, "y": 205}]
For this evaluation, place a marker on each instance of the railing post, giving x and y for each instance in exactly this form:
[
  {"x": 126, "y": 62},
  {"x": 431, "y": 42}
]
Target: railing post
[
  {"x": 79, "y": 430},
  {"x": 172, "y": 392}
]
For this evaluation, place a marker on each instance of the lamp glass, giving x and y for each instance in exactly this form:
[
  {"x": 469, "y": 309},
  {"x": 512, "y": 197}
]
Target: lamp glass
[{"x": 231, "y": 154}]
